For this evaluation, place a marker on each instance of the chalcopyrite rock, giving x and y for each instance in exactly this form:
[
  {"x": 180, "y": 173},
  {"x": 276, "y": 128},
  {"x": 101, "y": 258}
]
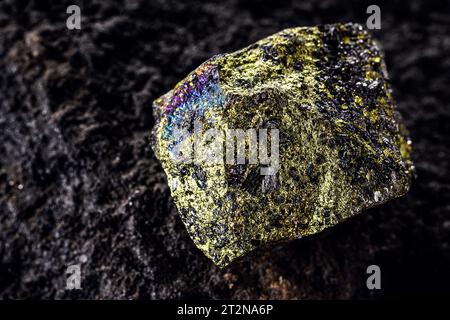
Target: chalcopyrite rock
[{"x": 281, "y": 139}]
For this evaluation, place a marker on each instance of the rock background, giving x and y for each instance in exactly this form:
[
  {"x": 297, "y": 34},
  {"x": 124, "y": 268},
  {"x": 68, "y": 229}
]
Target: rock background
[{"x": 79, "y": 183}]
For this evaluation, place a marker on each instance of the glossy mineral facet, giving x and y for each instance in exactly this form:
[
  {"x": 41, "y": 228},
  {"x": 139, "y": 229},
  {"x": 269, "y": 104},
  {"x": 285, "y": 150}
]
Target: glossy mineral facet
[{"x": 342, "y": 145}]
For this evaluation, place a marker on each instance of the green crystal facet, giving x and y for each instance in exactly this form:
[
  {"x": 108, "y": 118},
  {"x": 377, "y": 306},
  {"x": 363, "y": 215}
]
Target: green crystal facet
[{"x": 342, "y": 145}]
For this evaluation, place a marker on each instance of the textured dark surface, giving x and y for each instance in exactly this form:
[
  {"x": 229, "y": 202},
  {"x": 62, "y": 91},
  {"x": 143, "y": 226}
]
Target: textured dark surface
[{"x": 80, "y": 184}]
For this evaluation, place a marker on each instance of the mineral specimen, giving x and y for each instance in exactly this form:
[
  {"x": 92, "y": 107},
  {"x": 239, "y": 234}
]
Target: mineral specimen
[{"x": 320, "y": 97}]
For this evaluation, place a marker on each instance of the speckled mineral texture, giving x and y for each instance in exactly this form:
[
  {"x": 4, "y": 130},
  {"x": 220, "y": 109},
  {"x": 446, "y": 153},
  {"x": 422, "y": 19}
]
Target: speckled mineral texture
[
  {"x": 79, "y": 182},
  {"x": 343, "y": 145}
]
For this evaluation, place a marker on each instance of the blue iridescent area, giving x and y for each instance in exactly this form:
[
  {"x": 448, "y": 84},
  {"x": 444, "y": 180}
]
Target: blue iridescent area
[{"x": 190, "y": 100}]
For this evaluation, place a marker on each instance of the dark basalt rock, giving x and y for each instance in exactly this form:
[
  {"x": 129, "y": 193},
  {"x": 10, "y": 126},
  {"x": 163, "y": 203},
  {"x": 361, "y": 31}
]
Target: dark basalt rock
[{"x": 79, "y": 183}]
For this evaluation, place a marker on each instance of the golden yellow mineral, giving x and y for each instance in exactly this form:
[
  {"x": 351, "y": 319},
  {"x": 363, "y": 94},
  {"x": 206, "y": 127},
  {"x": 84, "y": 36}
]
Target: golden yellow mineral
[{"x": 281, "y": 139}]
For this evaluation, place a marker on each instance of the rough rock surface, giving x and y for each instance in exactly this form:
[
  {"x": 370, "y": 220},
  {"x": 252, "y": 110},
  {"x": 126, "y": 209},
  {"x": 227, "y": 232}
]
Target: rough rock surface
[
  {"x": 343, "y": 146},
  {"x": 79, "y": 182}
]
